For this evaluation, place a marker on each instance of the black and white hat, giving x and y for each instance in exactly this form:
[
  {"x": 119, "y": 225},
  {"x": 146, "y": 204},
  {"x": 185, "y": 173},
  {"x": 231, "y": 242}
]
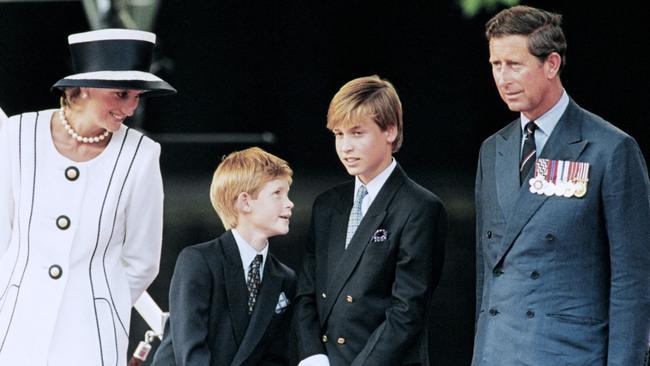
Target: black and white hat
[{"x": 114, "y": 58}]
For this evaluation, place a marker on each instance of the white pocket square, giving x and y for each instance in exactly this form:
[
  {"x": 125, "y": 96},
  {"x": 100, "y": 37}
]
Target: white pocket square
[{"x": 283, "y": 303}]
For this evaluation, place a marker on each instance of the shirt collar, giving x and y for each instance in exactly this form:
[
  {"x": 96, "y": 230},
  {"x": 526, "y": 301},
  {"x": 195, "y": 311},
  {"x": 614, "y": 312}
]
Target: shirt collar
[
  {"x": 547, "y": 122},
  {"x": 248, "y": 253},
  {"x": 374, "y": 186}
]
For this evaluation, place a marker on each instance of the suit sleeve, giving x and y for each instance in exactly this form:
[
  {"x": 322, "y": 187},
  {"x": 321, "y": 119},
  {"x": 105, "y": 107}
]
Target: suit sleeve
[
  {"x": 189, "y": 308},
  {"x": 417, "y": 272},
  {"x": 306, "y": 323},
  {"x": 480, "y": 266},
  {"x": 142, "y": 246},
  {"x": 626, "y": 202}
]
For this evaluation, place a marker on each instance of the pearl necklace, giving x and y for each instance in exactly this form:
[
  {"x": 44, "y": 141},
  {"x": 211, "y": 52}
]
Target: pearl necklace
[{"x": 78, "y": 137}]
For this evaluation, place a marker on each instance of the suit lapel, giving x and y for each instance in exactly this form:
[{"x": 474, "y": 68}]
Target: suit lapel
[
  {"x": 339, "y": 225},
  {"x": 235, "y": 286},
  {"x": 369, "y": 224},
  {"x": 565, "y": 143},
  {"x": 267, "y": 300},
  {"x": 507, "y": 166}
]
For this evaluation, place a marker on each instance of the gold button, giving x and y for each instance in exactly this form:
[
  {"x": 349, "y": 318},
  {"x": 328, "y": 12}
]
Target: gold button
[
  {"x": 71, "y": 173},
  {"x": 324, "y": 295},
  {"x": 341, "y": 340},
  {"x": 63, "y": 222},
  {"x": 349, "y": 298},
  {"x": 55, "y": 271},
  {"x": 324, "y": 338}
]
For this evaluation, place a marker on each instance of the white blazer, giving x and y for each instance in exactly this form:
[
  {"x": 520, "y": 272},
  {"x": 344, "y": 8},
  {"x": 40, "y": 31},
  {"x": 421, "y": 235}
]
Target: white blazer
[
  {"x": 3, "y": 117},
  {"x": 79, "y": 243}
]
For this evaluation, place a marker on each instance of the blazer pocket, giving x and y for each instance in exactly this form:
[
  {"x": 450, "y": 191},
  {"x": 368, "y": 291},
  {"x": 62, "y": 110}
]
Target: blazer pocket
[
  {"x": 574, "y": 319},
  {"x": 379, "y": 245}
]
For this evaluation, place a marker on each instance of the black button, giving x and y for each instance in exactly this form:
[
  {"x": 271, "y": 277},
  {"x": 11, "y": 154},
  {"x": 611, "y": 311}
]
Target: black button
[
  {"x": 497, "y": 272},
  {"x": 488, "y": 234},
  {"x": 549, "y": 237},
  {"x": 530, "y": 313},
  {"x": 493, "y": 312},
  {"x": 63, "y": 222},
  {"x": 71, "y": 173},
  {"x": 55, "y": 271},
  {"x": 534, "y": 275}
]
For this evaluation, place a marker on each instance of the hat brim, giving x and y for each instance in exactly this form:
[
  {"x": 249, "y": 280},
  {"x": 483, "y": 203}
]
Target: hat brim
[{"x": 152, "y": 85}]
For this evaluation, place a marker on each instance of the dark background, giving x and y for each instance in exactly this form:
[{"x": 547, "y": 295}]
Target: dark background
[{"x": 273, "y": 66}]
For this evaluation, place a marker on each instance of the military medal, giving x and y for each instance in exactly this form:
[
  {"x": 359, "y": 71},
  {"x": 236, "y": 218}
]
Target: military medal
[
  {"x": 582, "y": 179},
  {"x": 549, "y": 187},
  {"x": 537, "y": 183},
  {"x": 560, "y": 178}
]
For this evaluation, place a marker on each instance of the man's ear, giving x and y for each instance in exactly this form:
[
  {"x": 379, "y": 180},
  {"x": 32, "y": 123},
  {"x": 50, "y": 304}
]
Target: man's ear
[
  {"x": 243, "y": 202},
  {"x": 552, "y": 65}
]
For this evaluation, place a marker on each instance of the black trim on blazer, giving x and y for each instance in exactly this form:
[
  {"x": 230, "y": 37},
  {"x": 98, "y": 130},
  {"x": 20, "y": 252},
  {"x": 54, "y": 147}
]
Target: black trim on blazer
[
  {"x": 90, "y": 264},
  {"x": 117, "y": 205},
  {"x": 29, "y": 225},
  {"x": 4, "y": 292},
  {"x": 117, "y": 353}
]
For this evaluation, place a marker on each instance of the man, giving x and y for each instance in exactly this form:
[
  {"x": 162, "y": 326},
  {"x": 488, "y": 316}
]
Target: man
[
  {"x": 376, "y": 244},
  {"x": 563, "y": 216}
]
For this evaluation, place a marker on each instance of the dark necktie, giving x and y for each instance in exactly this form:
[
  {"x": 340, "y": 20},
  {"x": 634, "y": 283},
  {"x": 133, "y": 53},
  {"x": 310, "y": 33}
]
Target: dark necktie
[
  {"x": 253, "y": 282},
  {"x": 528, "y": 152}
]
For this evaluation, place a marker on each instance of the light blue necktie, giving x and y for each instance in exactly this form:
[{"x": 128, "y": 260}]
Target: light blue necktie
[{"x": 355, "y": 214}]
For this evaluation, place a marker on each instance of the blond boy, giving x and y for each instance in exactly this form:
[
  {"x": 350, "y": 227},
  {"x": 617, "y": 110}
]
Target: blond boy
[
  {"x": 376, "y": 244},
  {"x": 229, "y": 297}
]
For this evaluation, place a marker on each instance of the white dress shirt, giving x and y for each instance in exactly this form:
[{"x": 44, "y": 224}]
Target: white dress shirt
[
  {"x": 373, "y": 187},
  {"x": 248, "y": 253}
]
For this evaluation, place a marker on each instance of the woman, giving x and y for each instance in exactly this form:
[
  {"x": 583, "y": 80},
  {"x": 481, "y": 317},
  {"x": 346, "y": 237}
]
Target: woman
[{"x": 80, "y": 209}]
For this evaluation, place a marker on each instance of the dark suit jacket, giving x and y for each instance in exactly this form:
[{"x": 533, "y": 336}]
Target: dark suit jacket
[
  {"x": 209, "y": 322},
  {"x": 563, "y": 281},
  {"x": 366, "y": 305}
]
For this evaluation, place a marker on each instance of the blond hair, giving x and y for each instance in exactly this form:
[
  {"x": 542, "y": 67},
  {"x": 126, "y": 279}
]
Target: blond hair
[
  {"x": 243, "y": 171},
  {"x": 369, "y": 96}
]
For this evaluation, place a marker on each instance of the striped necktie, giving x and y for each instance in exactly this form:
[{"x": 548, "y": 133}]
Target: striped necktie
[{"x": 528, "y": 152}]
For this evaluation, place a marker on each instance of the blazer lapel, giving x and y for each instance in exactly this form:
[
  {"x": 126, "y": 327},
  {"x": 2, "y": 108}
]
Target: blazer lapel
[
  {"x": 508, "y": 150},
  {"x": 267, "y": 300},
  {"x": 565, "y": 143},
  {"x": 369, "y": 224},
  {"x": 339, "y": 225},
  {"x": 236, "y": 290}
]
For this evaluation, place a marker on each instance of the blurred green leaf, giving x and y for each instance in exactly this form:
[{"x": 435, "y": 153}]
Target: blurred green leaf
[{"x": 472, "y": 7}]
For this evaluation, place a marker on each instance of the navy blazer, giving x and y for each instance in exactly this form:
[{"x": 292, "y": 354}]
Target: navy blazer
[
  {"x": 209, "y": 322},
  {"x": 366, "y": 305},
  {"x": 563, "y": 281}
]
